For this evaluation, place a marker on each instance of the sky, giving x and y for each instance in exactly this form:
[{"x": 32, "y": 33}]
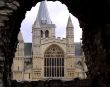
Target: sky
[{"x": 59, "y": 14}]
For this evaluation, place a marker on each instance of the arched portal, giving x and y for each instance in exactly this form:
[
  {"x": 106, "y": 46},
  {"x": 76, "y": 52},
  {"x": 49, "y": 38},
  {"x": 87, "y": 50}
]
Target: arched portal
[{"x": 54, "y": 62}]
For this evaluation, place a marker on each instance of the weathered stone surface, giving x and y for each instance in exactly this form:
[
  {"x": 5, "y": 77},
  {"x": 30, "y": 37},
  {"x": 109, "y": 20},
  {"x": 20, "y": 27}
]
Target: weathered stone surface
[
  {"x": 5, "y": 12},
  {"x": 1, "y": 85},
  {"x": 1, "y": 24},
  {"x": 3, "y": 18},
  {"x": 53, "y": 83},
  {"x": 16, "y": 3},
  {"x": 2, "y": 3},
  {"x": 12, "y": 6}
]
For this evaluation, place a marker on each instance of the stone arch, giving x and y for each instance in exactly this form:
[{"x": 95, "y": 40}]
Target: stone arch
[
  {"x": 94, "y": 19},
  {"x": 54, "y": 45}
]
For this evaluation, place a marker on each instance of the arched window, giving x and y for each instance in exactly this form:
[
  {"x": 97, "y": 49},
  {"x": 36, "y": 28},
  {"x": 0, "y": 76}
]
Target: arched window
[
  {"x": 18, "y": 67},
  {"x": 41, "y": 33},
  {"x": 46, "y": 33},
  {"x": 54, "y": 62},
  {"x": 29, "y": 75}
]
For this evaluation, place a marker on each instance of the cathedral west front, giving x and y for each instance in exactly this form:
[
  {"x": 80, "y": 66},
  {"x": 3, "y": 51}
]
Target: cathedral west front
[{"x": 47, "y": 56}]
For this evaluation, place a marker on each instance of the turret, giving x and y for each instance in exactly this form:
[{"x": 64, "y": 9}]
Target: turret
[
  {"x": 70, "y": 37},
  {"x": 20, "y": 45},
  {"x": 18, "y": 61},
  {"x": 20, "y": 38}
]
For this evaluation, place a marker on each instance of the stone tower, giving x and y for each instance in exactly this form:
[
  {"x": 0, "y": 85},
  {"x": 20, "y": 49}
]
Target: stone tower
[
  {"x": 42, "y": 28},
  {"x": 70, "y": 49},
  {"x": 70, "y": 38}
]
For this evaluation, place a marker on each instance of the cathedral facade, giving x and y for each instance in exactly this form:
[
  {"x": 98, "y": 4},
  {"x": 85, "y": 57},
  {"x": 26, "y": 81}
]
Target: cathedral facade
[{"x": 47, "y": 56}]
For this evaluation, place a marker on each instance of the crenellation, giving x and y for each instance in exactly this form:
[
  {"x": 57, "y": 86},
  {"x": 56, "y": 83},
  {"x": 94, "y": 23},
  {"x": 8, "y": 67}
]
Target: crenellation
[{"x": 57, "y": 40}]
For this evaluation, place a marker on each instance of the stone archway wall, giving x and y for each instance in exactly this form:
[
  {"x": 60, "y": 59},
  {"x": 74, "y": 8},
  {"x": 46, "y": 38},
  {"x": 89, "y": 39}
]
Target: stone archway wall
[
  {"x": 94, "y": 18},
  {"x": 12, "y": 12}
]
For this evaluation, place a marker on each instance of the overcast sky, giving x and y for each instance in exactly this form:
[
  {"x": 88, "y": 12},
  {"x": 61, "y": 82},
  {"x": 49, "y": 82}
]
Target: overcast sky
[{"x": 59, "y": 15}]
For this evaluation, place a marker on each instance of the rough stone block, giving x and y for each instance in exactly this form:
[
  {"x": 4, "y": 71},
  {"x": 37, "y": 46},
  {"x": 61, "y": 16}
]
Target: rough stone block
[
  {"x": 5, "y": 12},
  {"x": 3, "y": 18},
  {"x": 16, "y": 3},
  {"x": 2, "y": 3},
  {"x": 1, "y": 24},
  {"x": 1, "y": 84},
  {"x": 1, "y": 74},
  {"x": 12, "y": 6}
]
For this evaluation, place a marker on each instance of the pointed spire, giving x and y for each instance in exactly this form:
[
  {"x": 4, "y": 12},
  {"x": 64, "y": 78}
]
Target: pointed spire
[
  {"x": 69, "y": 28},
  {"x": 20, "y": 37},
  {"x": 43, "y": 15},
  {"x": 69, "y": 24}
]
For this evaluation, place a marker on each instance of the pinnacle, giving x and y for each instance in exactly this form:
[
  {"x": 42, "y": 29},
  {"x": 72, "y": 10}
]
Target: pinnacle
[{"x": 69, "y": 24}]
